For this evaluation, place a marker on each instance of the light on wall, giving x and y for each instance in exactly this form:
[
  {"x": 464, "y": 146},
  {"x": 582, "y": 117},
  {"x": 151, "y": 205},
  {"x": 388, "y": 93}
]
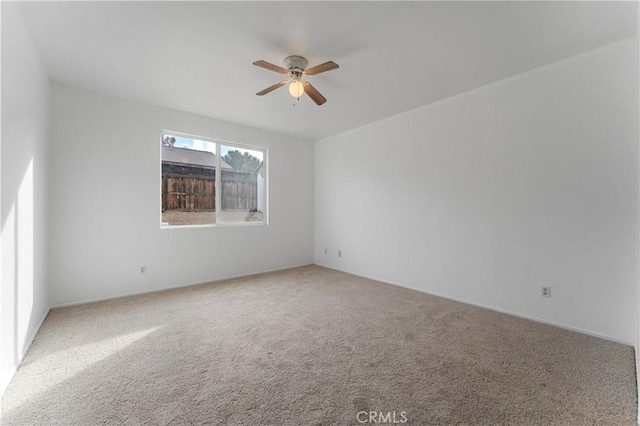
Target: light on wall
[{"x": 296, "y": 88}]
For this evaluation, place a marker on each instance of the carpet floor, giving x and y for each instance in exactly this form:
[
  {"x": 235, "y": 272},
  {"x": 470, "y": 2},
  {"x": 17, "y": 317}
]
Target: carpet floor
[{"x": 313, "y": 346}]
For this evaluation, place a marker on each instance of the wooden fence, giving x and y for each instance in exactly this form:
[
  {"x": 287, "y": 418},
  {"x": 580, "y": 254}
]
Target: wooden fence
[
  {"x": 188, "y": 193},
  {"x": 239, "y": 192}
]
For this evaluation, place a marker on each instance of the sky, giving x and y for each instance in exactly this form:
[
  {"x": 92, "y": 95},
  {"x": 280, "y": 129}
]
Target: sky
[{"x": 182, "y": 142}]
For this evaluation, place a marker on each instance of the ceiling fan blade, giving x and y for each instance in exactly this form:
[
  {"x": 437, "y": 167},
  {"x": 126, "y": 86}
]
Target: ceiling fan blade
[
  {"x": 313, "y": 93},
  {"x": 270, "y": 66},
  {"x": 327, "y": 66},
  {"x": 272, "y": 88}
]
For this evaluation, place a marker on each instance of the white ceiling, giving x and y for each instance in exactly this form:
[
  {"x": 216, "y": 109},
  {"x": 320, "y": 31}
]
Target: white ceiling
[{"x": 393, "y": 56}]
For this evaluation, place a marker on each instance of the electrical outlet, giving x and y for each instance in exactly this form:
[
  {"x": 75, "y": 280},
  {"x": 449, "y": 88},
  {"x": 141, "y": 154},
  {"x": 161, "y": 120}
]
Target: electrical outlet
[
  {"x": 143, "y": 269},
  {"x": 339, "y": 253},
  {"x": 546, "y": 292}
]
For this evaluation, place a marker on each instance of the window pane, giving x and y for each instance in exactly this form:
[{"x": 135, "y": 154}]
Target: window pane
[
  {"x": 242, "y": 193},
  {"x": 188, "y": 181}
]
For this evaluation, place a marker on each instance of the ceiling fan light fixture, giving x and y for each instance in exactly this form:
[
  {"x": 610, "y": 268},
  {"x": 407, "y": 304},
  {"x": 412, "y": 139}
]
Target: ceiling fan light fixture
[
  {"x": 296, "y": 69},
  {"x": 296, "y": 88}
]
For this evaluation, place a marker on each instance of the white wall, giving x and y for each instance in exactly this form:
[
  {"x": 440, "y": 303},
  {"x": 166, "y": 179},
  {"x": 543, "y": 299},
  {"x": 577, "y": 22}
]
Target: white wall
[
  {"x": 487, "y": 196},
  {"x": 105, "y": 210},
  {"x": 637, "y": 322},
  {"x": 24, "y": 296}
]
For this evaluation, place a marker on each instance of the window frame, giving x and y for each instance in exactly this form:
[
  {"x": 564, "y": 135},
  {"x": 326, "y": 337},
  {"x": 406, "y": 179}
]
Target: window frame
[{"x": 218, "y": 180}]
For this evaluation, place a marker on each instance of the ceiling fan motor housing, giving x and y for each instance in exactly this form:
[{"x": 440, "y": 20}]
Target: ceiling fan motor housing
[{"x": 296, "y": 65}]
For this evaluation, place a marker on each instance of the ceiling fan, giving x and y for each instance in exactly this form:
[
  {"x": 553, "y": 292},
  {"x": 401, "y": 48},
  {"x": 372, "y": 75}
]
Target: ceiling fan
[{"x": 296, "y": 68}]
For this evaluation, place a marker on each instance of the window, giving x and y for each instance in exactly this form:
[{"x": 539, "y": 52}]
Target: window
[{"x": 208, "y": 182}]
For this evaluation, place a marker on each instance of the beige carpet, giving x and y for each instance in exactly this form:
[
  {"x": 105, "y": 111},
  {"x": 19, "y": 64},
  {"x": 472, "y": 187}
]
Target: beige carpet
[{"x": 312, "y": 346}]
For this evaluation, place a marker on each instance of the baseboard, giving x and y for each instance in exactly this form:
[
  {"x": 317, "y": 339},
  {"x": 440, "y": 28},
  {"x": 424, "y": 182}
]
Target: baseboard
[
  {"x": 492, "y": 308},
  {"x": 30, "y": 339},
  {"x": 173, "y": 287}
]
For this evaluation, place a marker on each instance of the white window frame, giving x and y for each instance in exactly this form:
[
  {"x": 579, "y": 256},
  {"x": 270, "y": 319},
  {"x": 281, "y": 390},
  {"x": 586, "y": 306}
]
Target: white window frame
[{"x": 218, "y": 179}]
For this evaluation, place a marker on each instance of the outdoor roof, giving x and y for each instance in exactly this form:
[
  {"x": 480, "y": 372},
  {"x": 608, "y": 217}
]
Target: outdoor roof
[{"x": 172, "y": 154}]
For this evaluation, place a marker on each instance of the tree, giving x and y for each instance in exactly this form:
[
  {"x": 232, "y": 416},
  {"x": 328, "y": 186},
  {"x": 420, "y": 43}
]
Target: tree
[
  {"x": 168, "y": 140},
  {"x": 242, "y": 161}
]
